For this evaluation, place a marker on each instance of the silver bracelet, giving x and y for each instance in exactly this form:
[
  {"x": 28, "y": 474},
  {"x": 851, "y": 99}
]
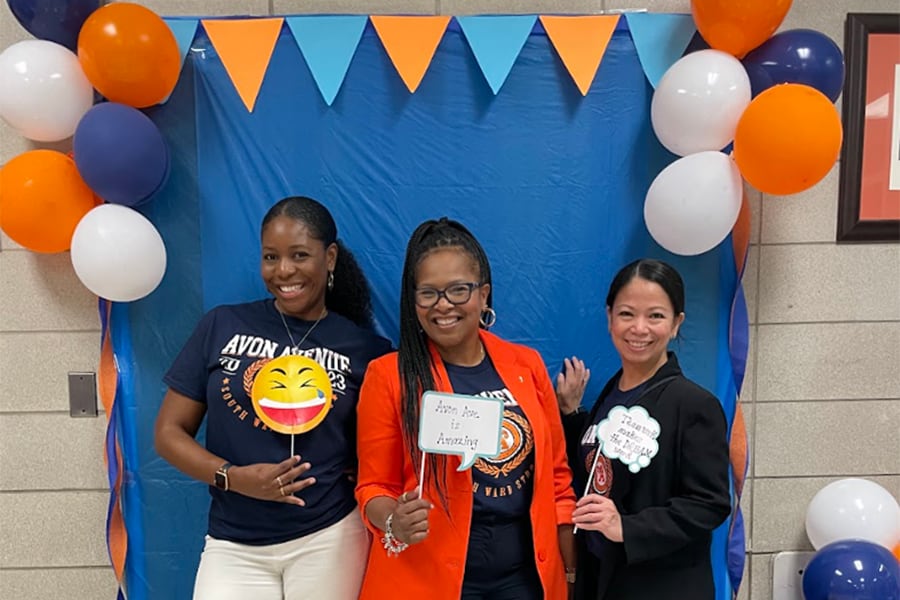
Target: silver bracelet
[{"x": 392, "y": 545}]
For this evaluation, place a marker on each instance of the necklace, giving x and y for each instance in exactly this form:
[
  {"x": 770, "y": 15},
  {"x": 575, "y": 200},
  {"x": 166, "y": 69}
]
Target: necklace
[
  {"x": 478, "y": 361},
  {"x": 296, "y": 346}
]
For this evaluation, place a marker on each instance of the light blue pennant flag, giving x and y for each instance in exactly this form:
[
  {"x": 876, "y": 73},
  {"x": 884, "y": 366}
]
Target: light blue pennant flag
[
  {"x": 328, "y": 44},
  {"x": 183, "y": 30},
  {"x": 496, "y": 42},
  {"x": 660, "y": 40}
]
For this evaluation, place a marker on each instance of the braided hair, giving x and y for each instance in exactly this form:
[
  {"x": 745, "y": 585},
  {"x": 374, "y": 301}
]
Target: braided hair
[
  {"x": 414, "y": 359},
  {"x": 350, "y": 294}
]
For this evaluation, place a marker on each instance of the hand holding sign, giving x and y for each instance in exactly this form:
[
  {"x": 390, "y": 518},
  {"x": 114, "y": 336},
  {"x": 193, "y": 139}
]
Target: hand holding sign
[
  {"x": 410, "y": 524},
  {"x": 598, "y": 513},
  {"x": 628, "y": 434}
]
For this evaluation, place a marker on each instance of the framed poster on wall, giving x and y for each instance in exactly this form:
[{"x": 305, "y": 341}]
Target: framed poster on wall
[{"x": 869, "y": 196}]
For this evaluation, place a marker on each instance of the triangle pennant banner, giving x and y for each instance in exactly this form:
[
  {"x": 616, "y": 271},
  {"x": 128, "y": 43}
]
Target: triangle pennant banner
[
  {"x": 660, "y": 40},
  {"x": 328, "y": 44},
  {"x": 245, "y": 48},
  {"x": 410, "y": 43},
  {"x": 183, "y": 30},
  {"x": 496, "y": 42},
  {"x": 580, "y": 43}
]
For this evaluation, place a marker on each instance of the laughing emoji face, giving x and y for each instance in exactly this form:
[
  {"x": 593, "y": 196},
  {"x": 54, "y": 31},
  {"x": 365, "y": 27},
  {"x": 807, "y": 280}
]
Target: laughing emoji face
[{"x": 291, "y": 394}]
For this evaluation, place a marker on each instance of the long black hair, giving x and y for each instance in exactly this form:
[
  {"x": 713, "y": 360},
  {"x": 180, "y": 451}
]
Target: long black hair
[
  {"x": 414, "y": 360},
  {"x": 656, "y": 271},
  {"x": 350, "y": 294}
]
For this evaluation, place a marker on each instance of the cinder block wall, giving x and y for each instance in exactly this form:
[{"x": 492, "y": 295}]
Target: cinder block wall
[{"x": 822, "y": 395}]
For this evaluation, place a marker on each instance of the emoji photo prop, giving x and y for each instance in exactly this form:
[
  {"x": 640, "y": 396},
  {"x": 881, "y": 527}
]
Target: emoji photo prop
[{"x": 291, "y": 394}]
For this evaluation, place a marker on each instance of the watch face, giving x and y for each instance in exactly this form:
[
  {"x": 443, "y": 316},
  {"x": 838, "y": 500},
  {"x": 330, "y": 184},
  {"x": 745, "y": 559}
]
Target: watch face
[{"x": 222, "y": 479}]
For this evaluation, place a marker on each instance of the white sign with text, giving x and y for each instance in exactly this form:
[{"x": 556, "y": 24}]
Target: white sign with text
[
  {"x": 457, "y": 424},
  {"x": 629, "y": 434}
]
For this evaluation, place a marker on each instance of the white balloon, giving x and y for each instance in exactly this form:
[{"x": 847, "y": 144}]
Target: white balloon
[
  {"x": 698, "y": 102},
  {"x": 43, "y": 90},
  {"x": 853, "y": 509},
  {"x": 693, "y": 204},
  {"x": 117, "y": 253}
]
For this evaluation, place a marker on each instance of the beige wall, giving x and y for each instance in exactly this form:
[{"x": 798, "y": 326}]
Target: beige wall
[{"x": 822, "y": 393}]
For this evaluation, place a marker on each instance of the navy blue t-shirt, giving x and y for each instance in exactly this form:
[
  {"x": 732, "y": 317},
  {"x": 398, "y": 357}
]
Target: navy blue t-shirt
[
  {"x": 502, "y": 486},
  {"x": 600, "y": 480},
  {"x": 216, "y": 367}
]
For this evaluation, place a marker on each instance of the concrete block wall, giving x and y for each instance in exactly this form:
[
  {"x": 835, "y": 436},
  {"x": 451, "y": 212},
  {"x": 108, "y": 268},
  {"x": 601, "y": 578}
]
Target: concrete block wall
[{"x": 822, "y": 395}]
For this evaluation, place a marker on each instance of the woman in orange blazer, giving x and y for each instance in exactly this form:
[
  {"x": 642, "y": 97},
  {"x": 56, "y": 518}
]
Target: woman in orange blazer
[{"x": 501, "y": 529}]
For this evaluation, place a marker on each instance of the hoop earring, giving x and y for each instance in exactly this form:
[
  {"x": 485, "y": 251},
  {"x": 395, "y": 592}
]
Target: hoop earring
[
  {"x": 330, "y": 280},
  {"x": 488, "y": 318}
]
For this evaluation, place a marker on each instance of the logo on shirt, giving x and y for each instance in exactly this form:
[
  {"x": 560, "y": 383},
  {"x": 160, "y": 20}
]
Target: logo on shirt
[
  {"x": 240, "y": 347},
  {"x": 516, "y": 442},
  {"x": 602, "y": 476}
]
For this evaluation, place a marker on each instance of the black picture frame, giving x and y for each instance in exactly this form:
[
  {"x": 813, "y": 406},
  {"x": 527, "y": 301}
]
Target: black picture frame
[{"x": 850, "y": 228}]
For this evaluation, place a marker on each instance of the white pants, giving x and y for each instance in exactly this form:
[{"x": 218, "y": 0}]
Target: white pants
[{"x": 327, "y": 565}]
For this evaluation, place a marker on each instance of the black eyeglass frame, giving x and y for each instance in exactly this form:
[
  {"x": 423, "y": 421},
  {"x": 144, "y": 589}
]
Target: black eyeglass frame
[{"x": 469, "y": 285}]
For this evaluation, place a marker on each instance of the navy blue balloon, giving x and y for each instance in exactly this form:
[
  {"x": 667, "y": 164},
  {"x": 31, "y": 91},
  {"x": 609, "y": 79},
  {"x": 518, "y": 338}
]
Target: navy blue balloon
[
  {"x": 852, "y": 570},
  {"x": 54, "y": 20},
  {"x": 120, "y": 153},
  {"x": 797, "y": 56}
]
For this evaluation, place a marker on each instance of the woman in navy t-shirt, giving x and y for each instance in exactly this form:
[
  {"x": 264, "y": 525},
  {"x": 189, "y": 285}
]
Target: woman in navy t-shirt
[{"x": 280, "y": 526}]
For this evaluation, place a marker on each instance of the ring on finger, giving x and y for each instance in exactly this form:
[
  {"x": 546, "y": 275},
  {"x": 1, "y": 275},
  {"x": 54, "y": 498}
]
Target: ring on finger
[
  {"x": 281, "y": 490},
  {"x": 280, "y": 483},
  {"x": 403, "y": 497}
]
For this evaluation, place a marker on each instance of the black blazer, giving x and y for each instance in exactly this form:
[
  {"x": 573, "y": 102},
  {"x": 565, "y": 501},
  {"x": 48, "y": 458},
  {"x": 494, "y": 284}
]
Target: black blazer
[{"x": 669, "y": 508}]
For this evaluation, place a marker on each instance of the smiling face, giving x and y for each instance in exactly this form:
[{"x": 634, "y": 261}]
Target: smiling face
[
  {"x": 291, "y": 394},
  {"x": 453, "y": 328},
  {"x": 641, "y": 323},
  {"x": 295, "y": 267}
]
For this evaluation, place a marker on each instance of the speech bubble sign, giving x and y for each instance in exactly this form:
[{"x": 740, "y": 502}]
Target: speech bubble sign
[
  {"x": 629, "y": 434},
  {"x": 457, "y": 424}
]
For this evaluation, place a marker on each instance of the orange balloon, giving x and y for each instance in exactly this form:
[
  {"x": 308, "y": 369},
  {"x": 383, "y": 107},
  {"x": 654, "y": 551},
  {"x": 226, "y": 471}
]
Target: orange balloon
[
  {"x": 129, "y": 54},
  {"x": 897, "y": 552},
  {"x": 42, "y": 199},
  {"x": 787, "y": 139},
  {"x": 738, "y": 26}
]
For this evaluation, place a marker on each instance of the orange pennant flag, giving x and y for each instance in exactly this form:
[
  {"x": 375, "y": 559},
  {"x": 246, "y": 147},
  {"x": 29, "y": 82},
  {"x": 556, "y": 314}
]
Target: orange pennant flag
[
  {"x": 581, "y": 43},
  {"x": 245, "y": 48},
  {"x": 410, "y": 43}
]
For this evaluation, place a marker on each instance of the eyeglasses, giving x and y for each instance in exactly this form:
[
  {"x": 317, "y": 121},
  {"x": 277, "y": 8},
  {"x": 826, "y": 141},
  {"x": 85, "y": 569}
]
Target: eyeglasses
[{"x": 458, "y": 293}]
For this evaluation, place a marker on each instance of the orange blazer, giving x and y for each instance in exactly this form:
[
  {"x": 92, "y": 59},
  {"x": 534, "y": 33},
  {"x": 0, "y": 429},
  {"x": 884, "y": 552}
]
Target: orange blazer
[{"x": 434, "y": 568}]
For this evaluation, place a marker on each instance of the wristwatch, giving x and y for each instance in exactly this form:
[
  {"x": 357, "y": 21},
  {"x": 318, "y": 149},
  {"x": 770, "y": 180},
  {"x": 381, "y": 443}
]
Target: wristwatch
[
  {"x": 570, "y": 575},
  {"x": 221, "y": 479}
]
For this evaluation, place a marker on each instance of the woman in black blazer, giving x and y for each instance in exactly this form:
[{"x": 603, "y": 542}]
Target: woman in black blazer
[{"x": 646, "y": 535}]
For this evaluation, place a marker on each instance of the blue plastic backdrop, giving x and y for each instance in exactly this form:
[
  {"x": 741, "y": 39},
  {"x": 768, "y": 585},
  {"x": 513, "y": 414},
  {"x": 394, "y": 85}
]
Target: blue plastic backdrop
[{"x": 551, "y": 182}]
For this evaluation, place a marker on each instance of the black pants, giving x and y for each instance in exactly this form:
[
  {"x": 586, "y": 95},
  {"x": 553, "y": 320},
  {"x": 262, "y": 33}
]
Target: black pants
[{"x": 500, "y": 562}]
